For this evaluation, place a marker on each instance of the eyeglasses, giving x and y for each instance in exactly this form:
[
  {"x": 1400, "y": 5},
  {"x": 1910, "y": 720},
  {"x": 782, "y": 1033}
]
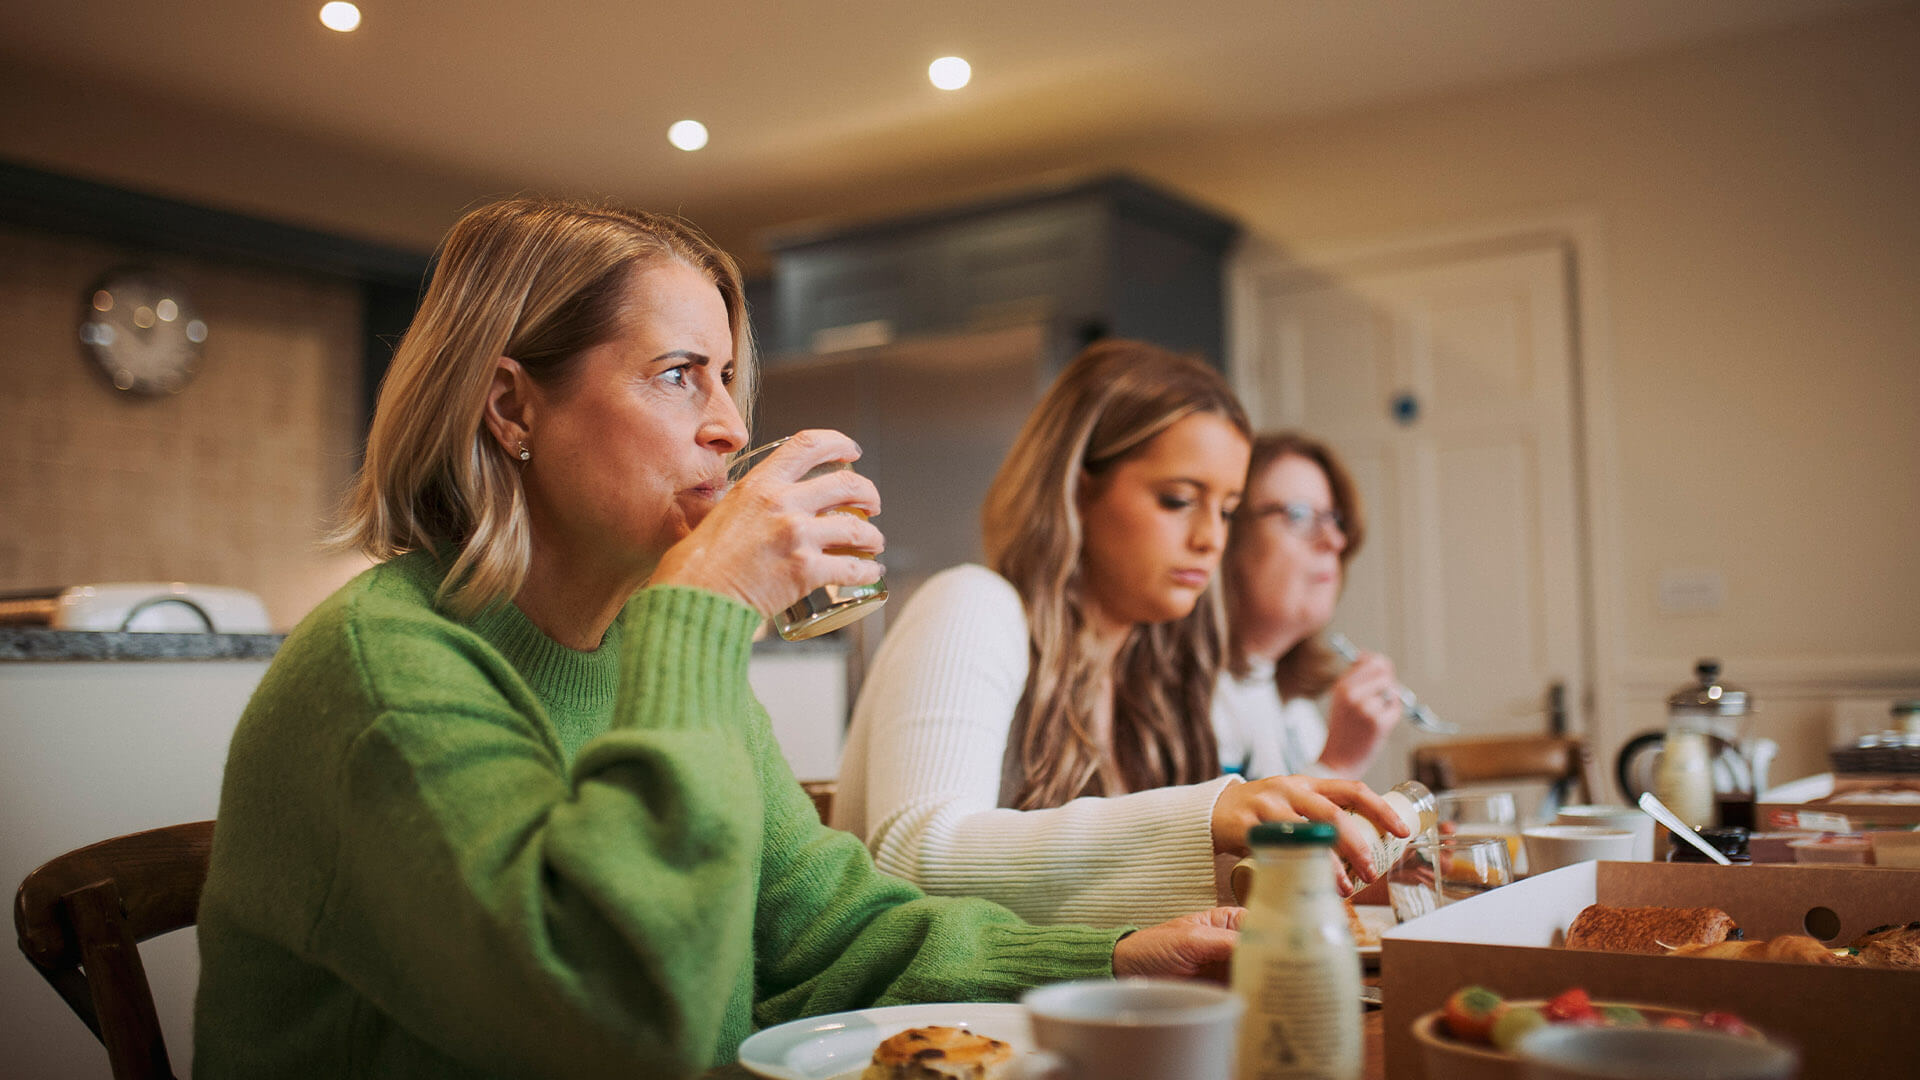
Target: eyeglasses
[{"x": 1303, "y": 520}]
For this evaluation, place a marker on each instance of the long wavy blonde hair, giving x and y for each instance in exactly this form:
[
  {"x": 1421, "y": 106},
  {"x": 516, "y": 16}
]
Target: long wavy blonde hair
[
  {"x": 1105, "y": 407},
  {"x": 537, "y": 280}
]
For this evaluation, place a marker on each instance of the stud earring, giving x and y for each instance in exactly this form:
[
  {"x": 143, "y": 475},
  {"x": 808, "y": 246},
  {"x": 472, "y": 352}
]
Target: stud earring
[{"x": 525, "y": 454}]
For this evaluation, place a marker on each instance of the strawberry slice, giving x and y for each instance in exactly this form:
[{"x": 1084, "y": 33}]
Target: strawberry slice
[{"x": 1572, "y": 1007}]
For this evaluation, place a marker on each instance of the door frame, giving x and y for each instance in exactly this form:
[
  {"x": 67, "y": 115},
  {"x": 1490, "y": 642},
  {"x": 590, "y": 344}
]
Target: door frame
[{"x": 1579, "y": 232}]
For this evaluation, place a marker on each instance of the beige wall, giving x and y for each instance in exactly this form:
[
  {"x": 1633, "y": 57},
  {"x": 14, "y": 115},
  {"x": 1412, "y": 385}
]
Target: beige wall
[
  {"x": 228, "y": 482},
  {"x": 1751, "y": 291},
  {"x": 1757, "y": 377}
]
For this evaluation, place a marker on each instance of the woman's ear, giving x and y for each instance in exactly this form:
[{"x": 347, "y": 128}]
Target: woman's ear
[{"x": 508, "y": 412}]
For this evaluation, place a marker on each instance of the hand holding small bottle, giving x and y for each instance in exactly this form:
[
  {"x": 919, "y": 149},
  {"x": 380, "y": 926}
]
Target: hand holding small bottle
[{"x": 1360, "y": 817}]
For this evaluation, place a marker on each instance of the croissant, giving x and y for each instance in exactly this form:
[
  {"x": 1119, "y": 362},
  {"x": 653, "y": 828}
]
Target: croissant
[{"x": 1789, "y": 949}]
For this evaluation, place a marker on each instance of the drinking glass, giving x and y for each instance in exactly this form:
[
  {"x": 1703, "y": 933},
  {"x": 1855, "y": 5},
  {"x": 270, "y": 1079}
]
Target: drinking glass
[
  {"x": 1482, "y": 814},
  {"x": 1438, "y": 872},
  {"x": 828, "y": 607}
]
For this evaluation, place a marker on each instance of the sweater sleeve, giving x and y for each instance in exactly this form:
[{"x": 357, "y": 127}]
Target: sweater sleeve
[
  {"x": 583, "y": 923},
  {"x": 934, "y": 718},
  {"x": 833, "y": 933}
]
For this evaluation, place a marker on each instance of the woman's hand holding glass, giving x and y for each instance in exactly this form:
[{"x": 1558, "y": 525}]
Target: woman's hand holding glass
[
  {"x": 1306, "y": 798},
  {"x": 770, "y": 539}
]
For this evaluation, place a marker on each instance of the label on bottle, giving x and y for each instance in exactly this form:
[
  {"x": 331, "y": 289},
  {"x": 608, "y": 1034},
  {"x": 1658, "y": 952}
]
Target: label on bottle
[
  {"x": 1299, "y": 975},
  {"x": 1386, "y": 848}
]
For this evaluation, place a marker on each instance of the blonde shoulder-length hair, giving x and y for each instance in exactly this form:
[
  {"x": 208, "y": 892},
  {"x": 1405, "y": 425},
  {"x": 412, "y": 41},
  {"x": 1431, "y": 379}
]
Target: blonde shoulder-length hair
[
  {"x": 1105, "y": 407},
  {"x": 537, "y": 280}
]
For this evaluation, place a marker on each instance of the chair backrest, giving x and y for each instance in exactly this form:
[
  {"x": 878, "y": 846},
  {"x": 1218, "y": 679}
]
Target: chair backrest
[
  {"x": 1562, "y": 761},
  {"x": 822, "y": 794},
  {"x": 82, "y": 916}
]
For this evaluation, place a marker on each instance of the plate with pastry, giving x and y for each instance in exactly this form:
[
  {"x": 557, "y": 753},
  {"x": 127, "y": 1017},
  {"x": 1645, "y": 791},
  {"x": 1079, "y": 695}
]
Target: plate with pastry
[
  {"x": 1368, "y": 922},
  {"x": 967, "y": 1041}
]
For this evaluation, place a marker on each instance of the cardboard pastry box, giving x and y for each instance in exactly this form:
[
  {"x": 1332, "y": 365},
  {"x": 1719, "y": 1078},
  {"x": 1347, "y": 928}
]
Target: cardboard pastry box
[
  {"x": 1850, "y": 1022},
  {"x": 1838, "y": 813}
]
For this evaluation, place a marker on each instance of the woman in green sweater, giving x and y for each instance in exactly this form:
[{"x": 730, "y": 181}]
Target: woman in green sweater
[{"x": 504, "y": 805}]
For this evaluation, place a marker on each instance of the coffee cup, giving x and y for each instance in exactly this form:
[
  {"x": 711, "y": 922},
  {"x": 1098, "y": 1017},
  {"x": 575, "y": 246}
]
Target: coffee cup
[
  {"x": 1550, "y": 847},
  {"x": 1630, "y": 818},
  {"x": 1147, "y": 1029},
  {"x": 1574, "y": 1052}
]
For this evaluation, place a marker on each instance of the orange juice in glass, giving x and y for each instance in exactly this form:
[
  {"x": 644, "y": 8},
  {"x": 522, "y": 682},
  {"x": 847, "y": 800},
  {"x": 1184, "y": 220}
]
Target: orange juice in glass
[
  {"x": 1482, "y": 814},
  {"x": 828, "y": 607}
]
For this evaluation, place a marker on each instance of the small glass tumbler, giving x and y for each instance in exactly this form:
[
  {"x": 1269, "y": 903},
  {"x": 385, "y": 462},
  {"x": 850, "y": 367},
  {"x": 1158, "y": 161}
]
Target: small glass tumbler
[
  {"x": 1483, "y": 814},
  {"x": 1436, "y": 873},
  {"x": 828, "y": 607}
]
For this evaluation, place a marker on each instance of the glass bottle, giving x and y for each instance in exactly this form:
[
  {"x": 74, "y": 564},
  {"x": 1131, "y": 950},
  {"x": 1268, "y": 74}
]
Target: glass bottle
[
  {"x": 1906, "y": 717},
  {"x": 1410, "y": 799},
  {"x": 1414, "y": 803},
  {"x": 1296, "y": 967}
]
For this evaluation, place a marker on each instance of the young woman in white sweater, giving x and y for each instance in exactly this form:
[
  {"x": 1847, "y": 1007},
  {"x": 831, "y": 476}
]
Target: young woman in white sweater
[{"x": 1038, "y": 733}]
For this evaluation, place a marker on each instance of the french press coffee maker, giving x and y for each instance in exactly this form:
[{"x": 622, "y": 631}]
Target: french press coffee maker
[{"x": 1709, "y": 771}]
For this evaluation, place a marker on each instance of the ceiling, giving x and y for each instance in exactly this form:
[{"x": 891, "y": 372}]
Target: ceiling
[{"x": 828, "y": 95}]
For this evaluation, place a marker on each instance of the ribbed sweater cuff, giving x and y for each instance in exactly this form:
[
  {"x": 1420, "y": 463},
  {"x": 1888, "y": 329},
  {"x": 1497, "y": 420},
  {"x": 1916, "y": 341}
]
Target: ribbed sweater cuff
[
  {"x": 686, "y": 655},
  {"x": 1018, "y": 957}
]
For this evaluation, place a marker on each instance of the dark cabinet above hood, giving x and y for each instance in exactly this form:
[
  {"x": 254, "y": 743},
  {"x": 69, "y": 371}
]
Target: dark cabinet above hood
[{"x": 1106, "y": 257}]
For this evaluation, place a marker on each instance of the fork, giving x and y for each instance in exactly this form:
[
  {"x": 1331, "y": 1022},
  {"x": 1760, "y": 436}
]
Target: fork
[{"x": 1422, "y": 717}]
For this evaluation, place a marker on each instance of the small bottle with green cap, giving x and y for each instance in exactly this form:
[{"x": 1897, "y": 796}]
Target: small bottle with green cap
[
  {"x": 1296, "y": 967},
  {"x": 1906, "y": 717}
]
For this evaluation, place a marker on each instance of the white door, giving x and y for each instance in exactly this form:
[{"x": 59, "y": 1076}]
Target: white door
[{"x": 1448, "y": 387}]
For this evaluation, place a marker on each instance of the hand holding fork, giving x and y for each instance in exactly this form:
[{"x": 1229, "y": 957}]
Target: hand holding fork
[{"x": 1421, "y": 716}]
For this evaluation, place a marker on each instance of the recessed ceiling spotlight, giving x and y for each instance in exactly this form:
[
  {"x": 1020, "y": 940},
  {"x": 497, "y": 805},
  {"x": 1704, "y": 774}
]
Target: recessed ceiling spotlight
[
  {"x": 688, "y": 134},
  {"x": 949, "y": 72},
  {"x": 340, "y": 15}
]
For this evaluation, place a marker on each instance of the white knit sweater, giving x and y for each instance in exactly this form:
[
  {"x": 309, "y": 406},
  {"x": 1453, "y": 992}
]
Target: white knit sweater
[
  {"x": 1261, "y": 735},
  {"x": 920, "y": 779}
]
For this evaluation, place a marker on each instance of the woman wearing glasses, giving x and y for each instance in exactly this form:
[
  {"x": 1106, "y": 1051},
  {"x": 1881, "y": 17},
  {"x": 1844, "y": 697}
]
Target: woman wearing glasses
[
  {"x": 1292, "y": 537},
  {"x": 1035, "y": 731}
]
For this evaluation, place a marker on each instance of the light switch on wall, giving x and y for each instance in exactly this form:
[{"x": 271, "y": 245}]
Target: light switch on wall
[{"x": 1692, "y": 592}]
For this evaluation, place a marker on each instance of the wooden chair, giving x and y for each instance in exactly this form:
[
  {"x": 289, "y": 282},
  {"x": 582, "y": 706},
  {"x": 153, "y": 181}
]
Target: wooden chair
[
  {"x": 82, "y": 916},
  {"x": 822, "y": 793},
  {"x": 1563, "y": 762}
]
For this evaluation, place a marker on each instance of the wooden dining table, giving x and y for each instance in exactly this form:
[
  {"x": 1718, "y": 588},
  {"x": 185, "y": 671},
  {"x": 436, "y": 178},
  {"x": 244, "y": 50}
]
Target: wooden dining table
[{"x": 1372, "y": 1037}]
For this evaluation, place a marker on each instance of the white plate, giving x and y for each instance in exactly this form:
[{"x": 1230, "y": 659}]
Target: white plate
[
  {"x": 1377, "y": 918},
  {"x": 839, "y": 1045}
]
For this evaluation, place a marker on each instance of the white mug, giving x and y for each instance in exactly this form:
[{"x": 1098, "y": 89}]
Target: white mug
[
  {"x": 1576, "y": 1052},
  {"x": 1550, "y": 847},
  {"x": 1631, "y": 818},
  {"x": 1145, "y": 1029}
]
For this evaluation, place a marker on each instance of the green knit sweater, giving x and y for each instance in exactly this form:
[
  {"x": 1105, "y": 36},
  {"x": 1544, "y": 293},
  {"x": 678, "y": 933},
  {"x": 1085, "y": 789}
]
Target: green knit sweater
[{"x": 460, "y": 849}]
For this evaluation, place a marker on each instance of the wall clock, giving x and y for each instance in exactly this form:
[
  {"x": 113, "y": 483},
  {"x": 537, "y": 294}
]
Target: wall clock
[{"x": 143, "y": 333}]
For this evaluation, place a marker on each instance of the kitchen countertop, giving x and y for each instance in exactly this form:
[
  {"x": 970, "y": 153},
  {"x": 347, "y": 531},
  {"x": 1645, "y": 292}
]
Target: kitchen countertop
[
  {"x": 39, "y": 644},
  {"x": 33, "y": 643}
]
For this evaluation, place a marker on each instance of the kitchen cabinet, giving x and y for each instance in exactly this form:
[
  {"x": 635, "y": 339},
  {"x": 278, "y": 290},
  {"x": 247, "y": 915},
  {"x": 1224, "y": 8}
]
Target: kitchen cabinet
[
  {"x": 1110, "y": 256},
  {"x": 109, "y": 734}
]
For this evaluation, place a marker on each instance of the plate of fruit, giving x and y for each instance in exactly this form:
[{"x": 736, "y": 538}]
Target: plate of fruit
[{"x": 1473, "y": 1036}]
